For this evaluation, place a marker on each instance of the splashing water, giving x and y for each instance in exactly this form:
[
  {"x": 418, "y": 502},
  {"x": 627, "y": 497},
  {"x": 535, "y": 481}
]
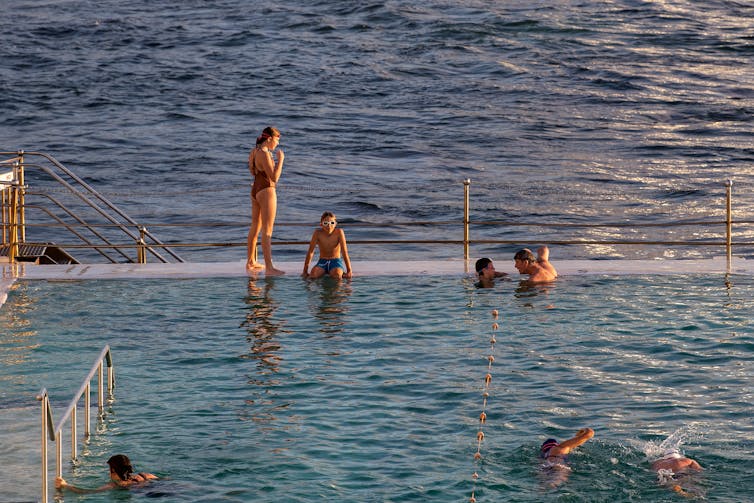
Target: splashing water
[{"x": 655, "y": 450}]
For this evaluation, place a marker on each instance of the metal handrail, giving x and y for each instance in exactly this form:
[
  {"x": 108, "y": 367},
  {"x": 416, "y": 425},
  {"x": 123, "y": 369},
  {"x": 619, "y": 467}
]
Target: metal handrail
[
  {"x": 92, "y": 204},
  {"x": 89, "y": 196},
  {"x": 55, "y": 432},
  {"x": 73, "y": 231},
  {"x": 466, "y": 223}
]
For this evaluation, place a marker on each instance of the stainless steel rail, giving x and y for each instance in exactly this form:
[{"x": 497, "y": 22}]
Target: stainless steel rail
[
  {"x": 14, "y": 214},
  {"x": 144, "y": 243},
  {"x": 53, "y": 431}
]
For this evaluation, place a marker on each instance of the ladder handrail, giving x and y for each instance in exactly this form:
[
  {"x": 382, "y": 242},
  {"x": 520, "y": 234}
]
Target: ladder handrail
[
  {"x": 55, "y": 432},
  {"x": 72, "y": 230},
  {"x": 97, "y": 208},
  {"x": 88, "y": 200}
]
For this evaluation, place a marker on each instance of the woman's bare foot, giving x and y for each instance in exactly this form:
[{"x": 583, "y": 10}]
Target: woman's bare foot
[
  {"x": 271, "y": 271},
  {"x": 250, "y": 266}
]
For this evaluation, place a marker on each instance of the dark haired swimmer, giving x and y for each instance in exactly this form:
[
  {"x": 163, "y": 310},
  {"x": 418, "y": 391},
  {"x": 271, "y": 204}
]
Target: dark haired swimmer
[
  {"x": 121, "y": 476},
  {"x": 555, "y": 453},
  {"x": 539, "y": 269},
  {"x": 487, "y": 273}
]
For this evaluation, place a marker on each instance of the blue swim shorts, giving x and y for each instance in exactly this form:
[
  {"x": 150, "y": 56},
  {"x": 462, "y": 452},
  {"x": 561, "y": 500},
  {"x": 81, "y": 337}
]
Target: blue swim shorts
[{"x": 328, "y": 264}]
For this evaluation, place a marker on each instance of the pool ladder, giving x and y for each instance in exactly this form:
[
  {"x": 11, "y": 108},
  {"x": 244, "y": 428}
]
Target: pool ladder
[
  {"x": 54, "y": 431},
  {"x": 91, "y": 218}
]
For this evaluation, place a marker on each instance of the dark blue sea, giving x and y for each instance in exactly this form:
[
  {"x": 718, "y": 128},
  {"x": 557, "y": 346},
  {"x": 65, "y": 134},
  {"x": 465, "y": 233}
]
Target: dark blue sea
[{"x": 558, "y": 112}]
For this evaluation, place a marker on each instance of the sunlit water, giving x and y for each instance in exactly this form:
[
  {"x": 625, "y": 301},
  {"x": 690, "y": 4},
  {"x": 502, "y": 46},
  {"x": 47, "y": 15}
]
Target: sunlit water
[
  {"x": 559, "y": 112},
  {"x": 279, "y": 389}
]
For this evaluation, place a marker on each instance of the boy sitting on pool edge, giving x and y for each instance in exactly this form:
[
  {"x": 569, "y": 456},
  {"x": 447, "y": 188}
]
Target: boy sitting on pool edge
[{"x": 331, "y": 243}]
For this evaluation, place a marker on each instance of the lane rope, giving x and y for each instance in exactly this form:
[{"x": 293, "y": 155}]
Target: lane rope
[{"x": 483, "y": 415}]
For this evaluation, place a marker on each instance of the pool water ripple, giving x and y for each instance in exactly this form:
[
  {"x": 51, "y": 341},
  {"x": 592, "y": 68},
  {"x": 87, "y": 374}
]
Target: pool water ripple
[{"x": 257, "y": 390}]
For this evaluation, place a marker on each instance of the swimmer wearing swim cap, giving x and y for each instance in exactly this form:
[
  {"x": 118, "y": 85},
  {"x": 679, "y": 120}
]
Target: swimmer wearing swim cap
[
  {"x": 554, "y": 454},
  {"x": 551, "y": 450},
  {"x": 675, "y": 462}
]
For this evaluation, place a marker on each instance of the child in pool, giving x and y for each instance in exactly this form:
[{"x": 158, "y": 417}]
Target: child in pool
[{"x": 331, "y": 243}]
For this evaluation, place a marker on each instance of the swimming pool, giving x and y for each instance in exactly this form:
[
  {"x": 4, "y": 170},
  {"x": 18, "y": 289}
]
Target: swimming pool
[{"x": 278, "y": 389}]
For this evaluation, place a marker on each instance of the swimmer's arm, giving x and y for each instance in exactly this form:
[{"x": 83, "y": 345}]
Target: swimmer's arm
[
  {"x": 61, "y": 484},
  {"x": 251, "y": 162},
  {"x": 543, "y": 259},
  {"x": 694, "y": 465},
  {"x": 310, "y": 254},
  {"x": 344, "y": 251},
  {"x": 279, "y": 168},
  {"x": 147, "y": 476},
  {"x": 565, "y": 447},
  {"x": 543, "y": 254},
  {"x": 268, "y": 165}
]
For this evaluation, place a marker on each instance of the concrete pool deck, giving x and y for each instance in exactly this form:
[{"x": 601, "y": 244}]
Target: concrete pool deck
[
  {"x": 369, "y": 268},
  {"x": 456, "y": 267}
]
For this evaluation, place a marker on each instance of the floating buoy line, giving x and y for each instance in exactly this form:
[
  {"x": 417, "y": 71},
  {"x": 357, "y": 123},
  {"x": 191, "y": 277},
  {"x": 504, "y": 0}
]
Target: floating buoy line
[{"x": 483, "y": 414}]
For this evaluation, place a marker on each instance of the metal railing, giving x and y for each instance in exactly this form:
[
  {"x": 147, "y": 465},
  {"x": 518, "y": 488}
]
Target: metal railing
[
  {"x": 53, "y": 430},
  {"x": 144, "y": 244},
  {"x": 15, "y": 192}
]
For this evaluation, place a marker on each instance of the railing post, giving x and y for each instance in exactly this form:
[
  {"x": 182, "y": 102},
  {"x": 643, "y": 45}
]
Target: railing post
[
  {"x": 729, "y": 222},
  {"x": 22, "y": 195},
  {"x": 43, "y": 398},
  {"x": 141, "y": 250},
  {"x": 466, "y": 184},
  {"x": 59, "y": 453},
  {"x": 6, "y": 207},
  {"x": 74, "y": 441},
  {"x": 100, "y": 391},
  {"x": 13, "y": 225},
  {"x": 87, "y": 411},
  {"x": 110, "y": 380}
]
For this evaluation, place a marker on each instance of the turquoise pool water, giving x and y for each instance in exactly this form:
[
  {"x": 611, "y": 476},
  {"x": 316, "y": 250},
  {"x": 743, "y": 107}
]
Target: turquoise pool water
[{"x": 283, "y": 390}]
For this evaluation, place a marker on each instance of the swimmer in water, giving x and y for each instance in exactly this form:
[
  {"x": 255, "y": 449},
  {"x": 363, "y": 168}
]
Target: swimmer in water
[
  {"x": 121, "y": 476},
  {"x": 555, "y": 453},
  {"x": 671, "y": 464},
  {"x": 539, "y": 269},
  {"x": 485, "y": 269}
]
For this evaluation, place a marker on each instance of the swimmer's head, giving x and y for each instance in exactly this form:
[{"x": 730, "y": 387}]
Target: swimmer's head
[
  {"x": 669, "y": 454},
  {"x": 546, "y": 446},
  {"x": 121, "y": 466},
  {"x": 267, "y": 133},
  {"x": 526, "y": 255},
  {"x": 482, "y": 264}
]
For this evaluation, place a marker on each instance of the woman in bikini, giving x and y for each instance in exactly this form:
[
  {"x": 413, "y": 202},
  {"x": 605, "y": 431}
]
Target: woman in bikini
[{"x": 263, "y": 198}]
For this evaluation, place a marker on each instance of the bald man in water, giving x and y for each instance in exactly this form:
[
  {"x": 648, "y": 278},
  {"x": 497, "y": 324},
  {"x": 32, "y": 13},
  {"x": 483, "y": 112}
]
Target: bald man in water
[{"x": 675, "y": 462}]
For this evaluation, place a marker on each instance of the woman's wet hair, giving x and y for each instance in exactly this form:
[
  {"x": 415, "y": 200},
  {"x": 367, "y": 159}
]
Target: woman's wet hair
[
  {"x": 121, "y": 466},
  {"x": 267, "y": 132}
]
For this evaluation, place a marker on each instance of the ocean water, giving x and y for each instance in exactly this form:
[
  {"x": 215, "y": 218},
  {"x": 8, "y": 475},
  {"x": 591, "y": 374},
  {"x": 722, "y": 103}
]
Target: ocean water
[
  {"x": 559, "y": 112},
  {"x": 280, "y": 389}
]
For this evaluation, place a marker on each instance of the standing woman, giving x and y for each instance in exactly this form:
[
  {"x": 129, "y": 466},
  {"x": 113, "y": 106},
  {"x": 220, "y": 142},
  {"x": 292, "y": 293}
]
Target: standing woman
[{"x": 263, "y": 198}]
